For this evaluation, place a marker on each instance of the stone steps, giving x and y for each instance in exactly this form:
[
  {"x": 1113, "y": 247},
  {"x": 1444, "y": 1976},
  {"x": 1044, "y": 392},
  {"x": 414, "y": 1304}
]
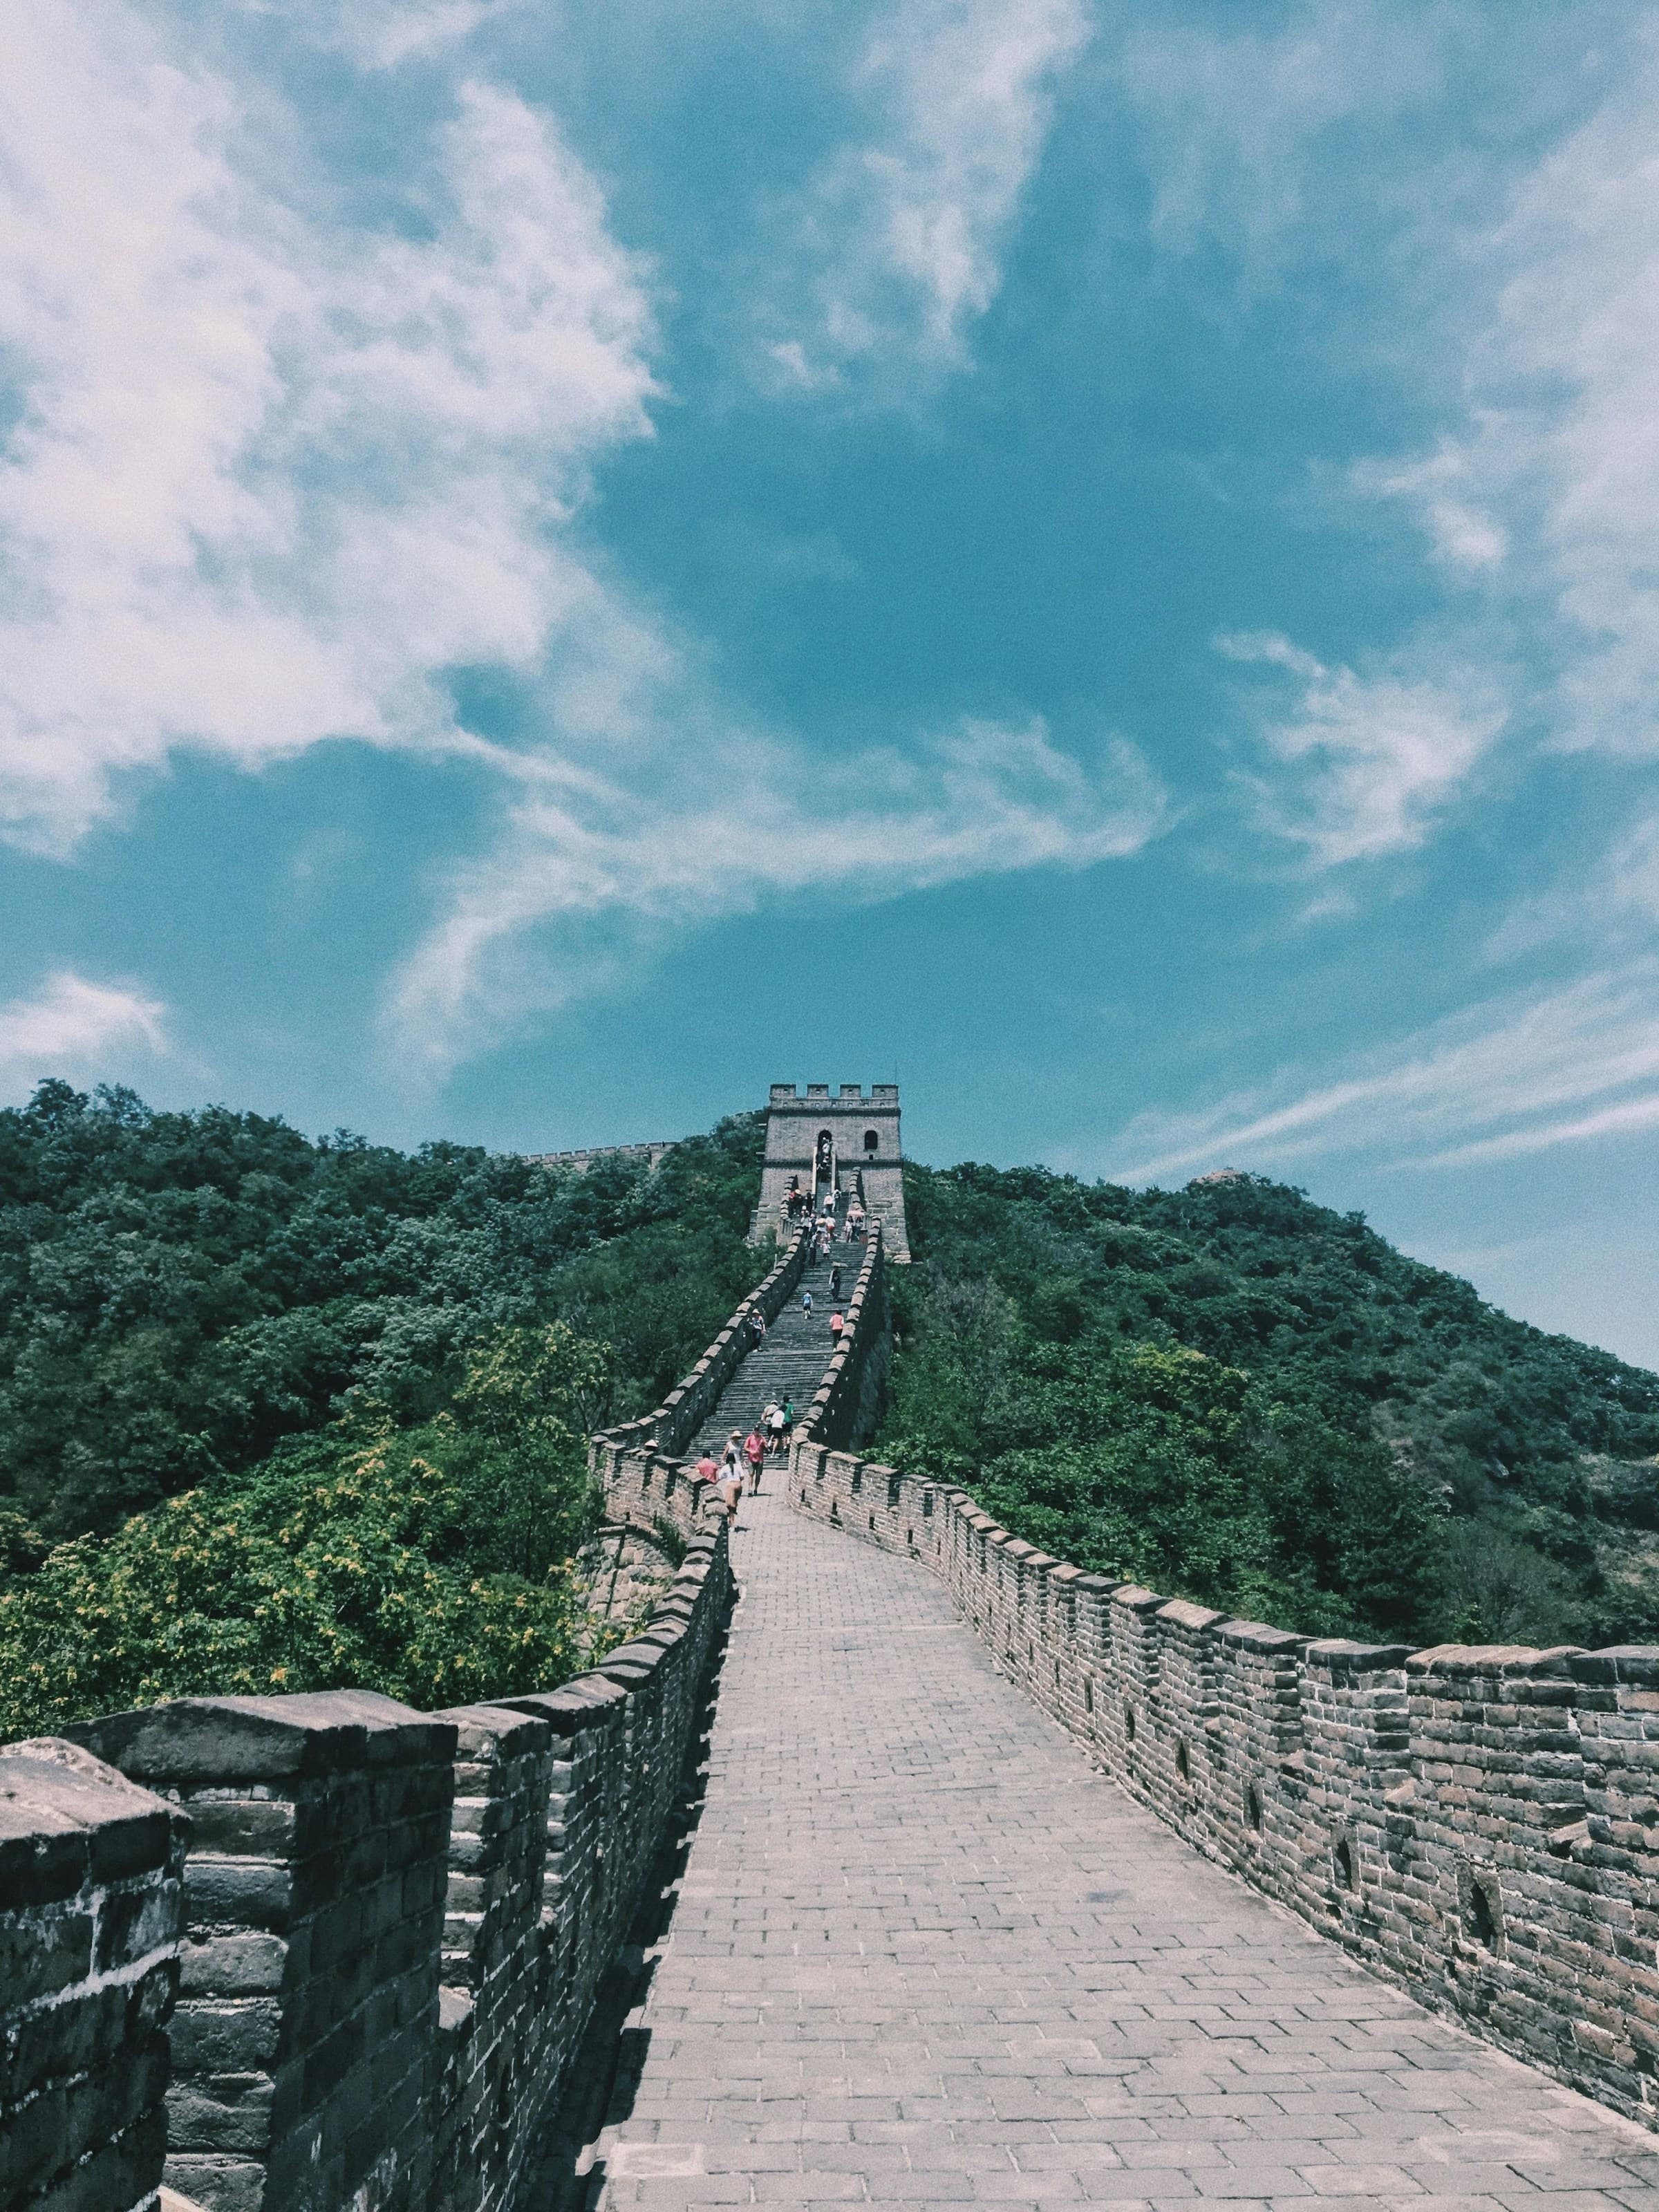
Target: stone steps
[{"x": 791, "y": 1357}]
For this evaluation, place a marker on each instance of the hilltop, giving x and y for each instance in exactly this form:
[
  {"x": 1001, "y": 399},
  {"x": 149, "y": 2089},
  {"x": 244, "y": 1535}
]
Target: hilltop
[
  {"x": 279, "y": 1414},
  {"x": 178, "y": 1291},
  {"x": 1246, "y": 1398}
]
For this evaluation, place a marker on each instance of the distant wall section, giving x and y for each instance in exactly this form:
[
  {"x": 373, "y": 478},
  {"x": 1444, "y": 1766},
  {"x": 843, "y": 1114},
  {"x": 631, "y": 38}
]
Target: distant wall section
[{"x": 646, "y": 1155}]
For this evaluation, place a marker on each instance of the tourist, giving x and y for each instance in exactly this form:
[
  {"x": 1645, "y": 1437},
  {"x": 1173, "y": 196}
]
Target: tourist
[
  {"x": 754, "y": 1450},
  {"x": 756, "y": 1325},
  {"x": 731, "y": 1474},
  {"x": 777, "y": 1428},
  {"x": 835, "y": 1280},
  {"x": 806, "y": 1303},
  {"x": 707, "y": 1471},
  {"x": 837, "y": 1323}
]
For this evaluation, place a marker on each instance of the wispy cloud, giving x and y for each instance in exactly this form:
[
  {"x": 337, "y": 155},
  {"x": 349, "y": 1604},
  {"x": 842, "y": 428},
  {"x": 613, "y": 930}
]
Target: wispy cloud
[
  {"x": 277, "y": 471},
  {"x": 384, "y": 32},
  {"x": 895, "y": 247},
  {"x": 589, "y": 872},
  {"x": 270, "y": 477},
  {"x": 74, "y": 1027},
  {"x": 1239, "y": 112},
  {"x": 1513, "y": 296},
  {"x": 1371, "y": 758},
  {"x": 1514, "y": 1076},
  {"x": 1549, "y": 480}
]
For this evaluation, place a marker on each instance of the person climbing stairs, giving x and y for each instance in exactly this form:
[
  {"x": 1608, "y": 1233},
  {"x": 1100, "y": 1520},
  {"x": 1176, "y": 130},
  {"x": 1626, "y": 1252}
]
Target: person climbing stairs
[{"x": 789, "y": 1360}]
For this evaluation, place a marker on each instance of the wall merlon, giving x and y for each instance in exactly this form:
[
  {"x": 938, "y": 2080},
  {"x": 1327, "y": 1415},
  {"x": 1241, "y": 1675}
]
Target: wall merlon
[
  {"x": 91, "y": 1922},
  {"x": 1181, "y": 1614},
  {"x": 1635, "y": 1664},
  {"x": 1340, "y": 1658}
]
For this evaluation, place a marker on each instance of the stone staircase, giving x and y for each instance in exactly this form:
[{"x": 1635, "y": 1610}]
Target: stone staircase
[{"x": 792, "y": 1355}]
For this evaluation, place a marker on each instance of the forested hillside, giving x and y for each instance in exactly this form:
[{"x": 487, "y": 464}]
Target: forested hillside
[
  {"x": 1238, "y": 1396},
  {"x": 279, "y": 1414},
  {"x": 179, "y": 1291}
]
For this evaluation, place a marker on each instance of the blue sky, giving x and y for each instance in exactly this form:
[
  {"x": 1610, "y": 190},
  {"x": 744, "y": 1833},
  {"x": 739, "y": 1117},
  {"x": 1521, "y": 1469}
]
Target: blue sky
[{"x": 564, "y": 563}]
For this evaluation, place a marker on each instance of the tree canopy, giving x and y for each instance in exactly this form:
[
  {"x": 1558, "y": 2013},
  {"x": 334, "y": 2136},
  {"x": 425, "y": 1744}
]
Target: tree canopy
[
  {"x": 1238, "y": 1396},
  {"x": 180, "y": 1291},
  {"x": 285, "y": 1413},
  {"x": 277, "y": 1414}
]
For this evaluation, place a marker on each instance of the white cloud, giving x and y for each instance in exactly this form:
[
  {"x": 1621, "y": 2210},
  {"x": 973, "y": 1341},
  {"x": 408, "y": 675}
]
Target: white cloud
[
  {"x": 75, "y": 1027},
  {"x": 272, "y": 475},
  {"x": 276, "y": 470},
  {"x": 1513, "y": 294},
  {"x": 1560, "y": 441},
  {"x": 1371, "y": 757},
  {"x": 1519, "y": 301},
  {"x": 598, "y": 870},
  {"x": 1525, "y": 1075},
  {"x": 381, "y": 33},
  {"x": 1238, "y": 116},
  {"x": 896, "y": 245}
]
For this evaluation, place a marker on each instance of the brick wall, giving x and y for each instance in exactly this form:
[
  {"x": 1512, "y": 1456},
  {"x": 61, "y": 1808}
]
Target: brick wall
[
  {"x": 387, "y": 1938},
  {"x": 563, "y": 1804},
  {"x": 847, "y": 1402},
  {"x": 91, "y": 1915},
  {"x": 689, "y": 1405},
  {"x": 305, "y": 2036},
  {"x": 1479, "y": 1825}
]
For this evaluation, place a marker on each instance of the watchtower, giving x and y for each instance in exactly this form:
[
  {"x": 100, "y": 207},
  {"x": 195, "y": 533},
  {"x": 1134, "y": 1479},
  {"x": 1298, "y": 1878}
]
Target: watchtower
[{"x": 849, "y": 1143}]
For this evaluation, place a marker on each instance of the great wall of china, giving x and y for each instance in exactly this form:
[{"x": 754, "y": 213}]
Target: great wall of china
[{"x": 325, "y": 1952}]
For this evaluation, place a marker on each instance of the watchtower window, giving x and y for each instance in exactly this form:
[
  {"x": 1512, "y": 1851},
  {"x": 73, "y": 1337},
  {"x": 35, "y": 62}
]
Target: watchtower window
[{"x": 871, "y": 1141}]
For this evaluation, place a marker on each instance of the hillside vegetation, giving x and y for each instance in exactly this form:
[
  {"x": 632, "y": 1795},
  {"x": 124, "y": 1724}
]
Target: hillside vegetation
[
  {"x": 284, "y": 1414},
  {"x": 1237, "y": 1396}
]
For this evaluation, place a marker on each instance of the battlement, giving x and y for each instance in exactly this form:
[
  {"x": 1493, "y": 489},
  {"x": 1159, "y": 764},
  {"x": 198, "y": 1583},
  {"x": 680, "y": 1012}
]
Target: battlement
[
  {"x": 649, "y": 1156},
  {"x": 883, "y": 1097}
]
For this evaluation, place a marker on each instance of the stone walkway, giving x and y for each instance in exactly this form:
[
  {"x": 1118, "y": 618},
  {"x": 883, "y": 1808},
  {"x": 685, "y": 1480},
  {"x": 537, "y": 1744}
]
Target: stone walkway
[{"x": 925, "y": 1955}]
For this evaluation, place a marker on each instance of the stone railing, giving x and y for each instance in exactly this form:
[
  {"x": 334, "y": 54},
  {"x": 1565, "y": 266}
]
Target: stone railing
[
  {"x": 1480, "y": 1825},
  {"x": 385, "y": 1945},
  {"x": 686, "y": 1407}
]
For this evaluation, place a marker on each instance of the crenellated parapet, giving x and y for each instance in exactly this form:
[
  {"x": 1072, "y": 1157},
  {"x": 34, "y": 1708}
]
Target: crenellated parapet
[
  {"x": 385, "y": 1930},
  {"x": 1478, "y": 1824},
  {"x": 649, "y": 1156}
]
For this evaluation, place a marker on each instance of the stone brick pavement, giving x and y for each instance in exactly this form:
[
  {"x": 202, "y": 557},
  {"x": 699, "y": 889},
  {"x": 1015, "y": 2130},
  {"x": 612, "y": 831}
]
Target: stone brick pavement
[{"x": 923, "y": 1954}]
